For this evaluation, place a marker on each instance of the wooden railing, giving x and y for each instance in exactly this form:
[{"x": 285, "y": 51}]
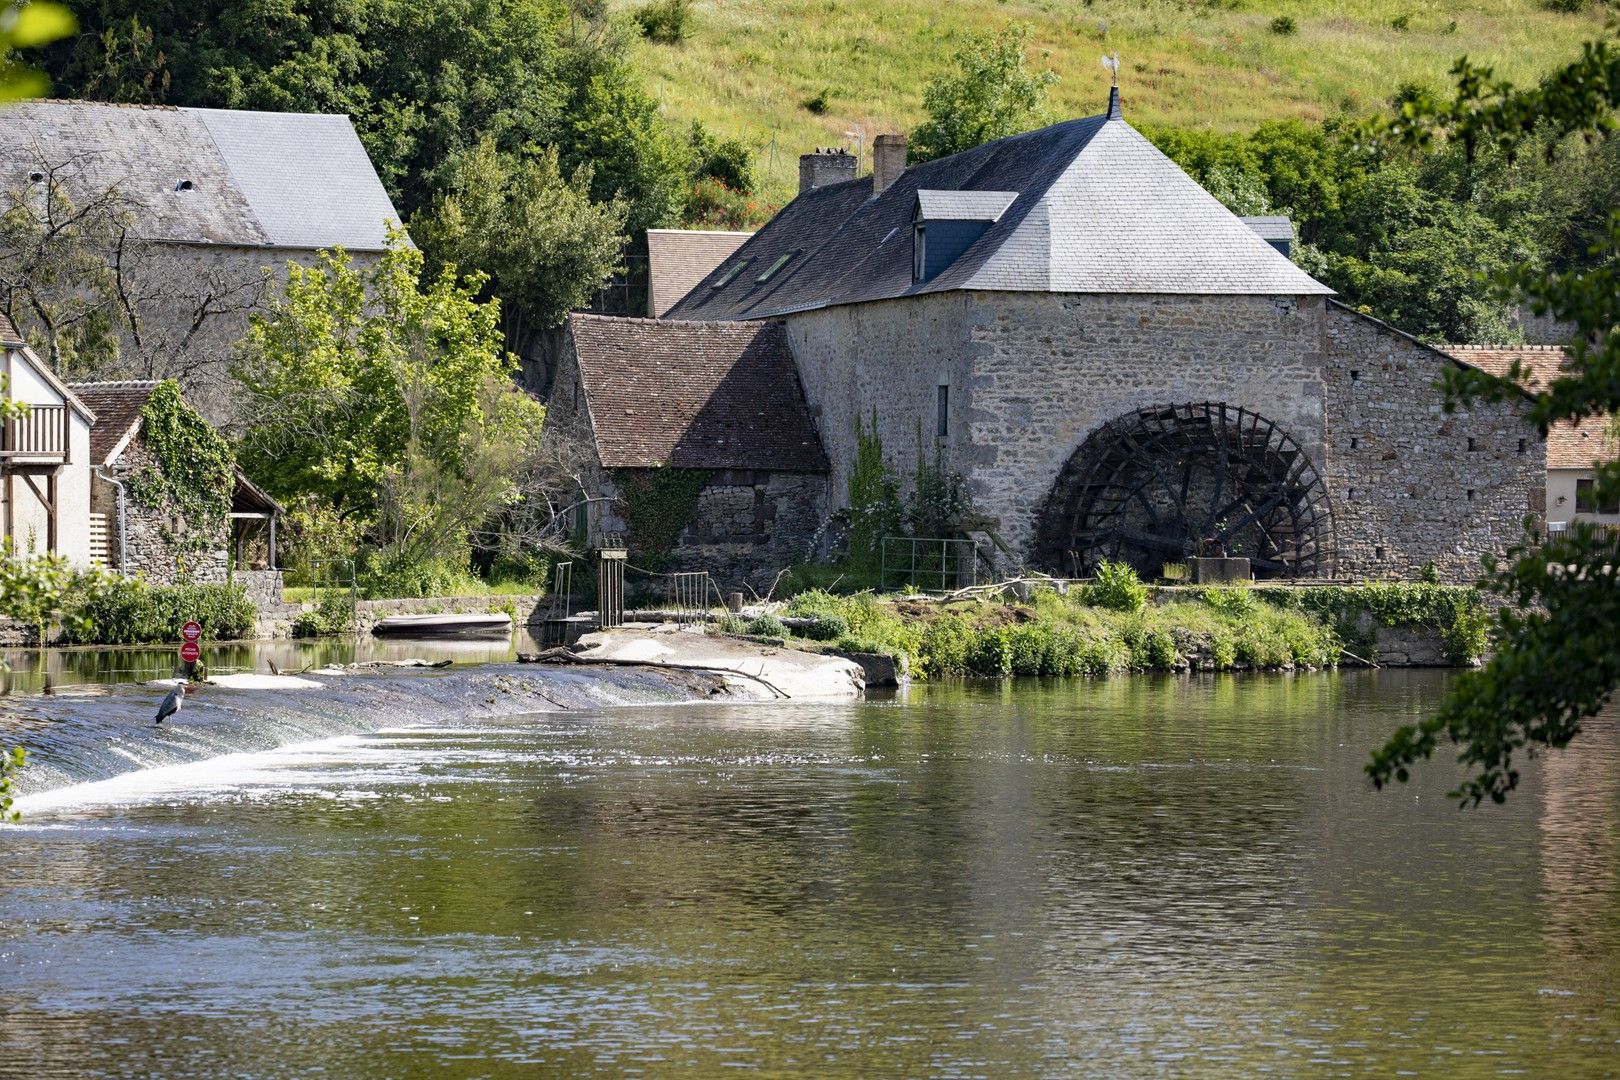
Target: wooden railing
[{"x": 42, "y": 431}]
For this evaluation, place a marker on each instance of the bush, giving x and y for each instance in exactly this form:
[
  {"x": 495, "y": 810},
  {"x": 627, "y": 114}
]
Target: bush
[
  {"x": 1117, "y": 588},
  {"x": 667, "y": 22},
  {"x": 1283, "y": 25},
  {"x": 131, "y": 612},
  {"x": 1401, "y": 23},
  {"x": 333, "y": 614},
  {"x": 391, "y": 577},
  {"x": 1229, "y": 599},
  {"x": 767, "y": 626},
  {"x": 818, "y": 104},
  {"x": 825, "y": 628},
  {"x": 732, "y": 624}
]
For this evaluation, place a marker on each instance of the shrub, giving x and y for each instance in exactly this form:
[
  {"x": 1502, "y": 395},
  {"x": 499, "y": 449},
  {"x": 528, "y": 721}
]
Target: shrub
[
  {"x": 944, "y": 648},
  {"x": 825, "y": 628},
  {"x": 733, "y": 624},
  {"x": 818, "y": 104},
  {"x": 131, "y": 612},
  {"x": 1236, "y": 600},
  {"x": 333, "y": 614},
  {"x": 391, "y": 577},
  {"x": 667, "y": 22},
  {"x": 767, "y": 626},
  {"x": 1283, "y": 25},
  {"x": 1401, "y": 23},
  {"x": 1117, "y": 588}
]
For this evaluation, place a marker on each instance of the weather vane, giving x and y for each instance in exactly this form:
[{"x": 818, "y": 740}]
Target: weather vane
[{"x": 1112, "y": 64}]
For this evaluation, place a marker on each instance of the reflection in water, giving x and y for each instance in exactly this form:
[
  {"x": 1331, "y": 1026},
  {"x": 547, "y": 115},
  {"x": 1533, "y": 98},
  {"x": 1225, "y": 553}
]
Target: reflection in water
[{"x": 1132, "y": 877}]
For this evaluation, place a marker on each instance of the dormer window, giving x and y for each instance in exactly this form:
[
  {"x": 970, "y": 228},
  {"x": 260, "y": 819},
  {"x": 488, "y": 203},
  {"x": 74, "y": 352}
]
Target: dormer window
[
  {"x": 182, "y": 185},
  {"x": 944, "y": 224}
]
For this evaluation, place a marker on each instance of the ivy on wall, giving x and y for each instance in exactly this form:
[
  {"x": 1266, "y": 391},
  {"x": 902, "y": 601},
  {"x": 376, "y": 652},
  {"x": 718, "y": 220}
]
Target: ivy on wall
[
  {"x": 193, "y": 470},
  {"x": 657, "y": 505}
]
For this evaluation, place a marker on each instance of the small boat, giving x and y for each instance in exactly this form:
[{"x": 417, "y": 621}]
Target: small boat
[{"x": 493, "y": 624}]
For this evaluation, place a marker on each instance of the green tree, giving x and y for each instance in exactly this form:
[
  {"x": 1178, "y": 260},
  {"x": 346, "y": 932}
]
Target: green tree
[
  {"x": 28, "y": 26},
  {"x": 988, "y": 95},
  {"x": 544, "y": 245},
  {"x": 384, "y": 399},
  {"x": 1558, "y": 637}
]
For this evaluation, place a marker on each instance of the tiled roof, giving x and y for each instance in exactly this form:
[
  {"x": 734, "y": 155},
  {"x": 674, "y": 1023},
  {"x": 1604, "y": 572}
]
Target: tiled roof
[
  {"x": 1099, "y": 209},
  {"x": 700, "y": 395},
  {"x": 678, "y": 259},
  {"x": 9, "y": 337},
  {"x": 118, "y": 407},
  {"x": 1568, "y": 446},
  {"x": 256, "y": 179}
]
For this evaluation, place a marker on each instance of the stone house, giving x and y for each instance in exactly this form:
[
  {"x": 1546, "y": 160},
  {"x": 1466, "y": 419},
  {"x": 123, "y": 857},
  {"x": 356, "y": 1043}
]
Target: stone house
[
  {"x": 1573, "y": 450},
  {"x": 44, "y": 458},
  {"x": 1118, "y": 366},
  {"x": 158, "y": 542},
  {"x": 692, "y": 441},
  {"x": 209, "y": 207}
]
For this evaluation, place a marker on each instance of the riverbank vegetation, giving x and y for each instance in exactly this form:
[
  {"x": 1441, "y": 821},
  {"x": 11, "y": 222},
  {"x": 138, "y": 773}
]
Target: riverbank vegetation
[{"x": 1116, "y": 625}]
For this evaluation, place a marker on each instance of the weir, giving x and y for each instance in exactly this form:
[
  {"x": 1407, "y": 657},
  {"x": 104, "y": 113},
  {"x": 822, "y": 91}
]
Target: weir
[{"x": 91, "y": 735}]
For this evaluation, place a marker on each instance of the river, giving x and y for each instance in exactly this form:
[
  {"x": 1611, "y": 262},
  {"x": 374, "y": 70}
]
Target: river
[{"x": 1132, "y": 877}]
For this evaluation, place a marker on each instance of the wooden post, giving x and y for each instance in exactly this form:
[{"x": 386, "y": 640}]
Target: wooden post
[{"x": 610, "y": 586}]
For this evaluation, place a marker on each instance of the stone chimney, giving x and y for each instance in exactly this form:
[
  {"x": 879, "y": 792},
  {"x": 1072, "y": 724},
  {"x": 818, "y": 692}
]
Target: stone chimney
[
  {"x": 888, "y": 161},
  {"x": 825, "y": 167}
]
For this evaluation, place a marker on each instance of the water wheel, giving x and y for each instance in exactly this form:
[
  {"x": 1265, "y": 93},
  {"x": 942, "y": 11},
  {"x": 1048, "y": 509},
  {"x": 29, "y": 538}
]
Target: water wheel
[{"x": 1163, "y": 484}]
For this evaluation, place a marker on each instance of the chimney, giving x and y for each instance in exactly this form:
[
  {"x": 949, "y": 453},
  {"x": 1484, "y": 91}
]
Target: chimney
[
  {"x": 888, "y": 161},
  {"x": 825, "y": 167}
]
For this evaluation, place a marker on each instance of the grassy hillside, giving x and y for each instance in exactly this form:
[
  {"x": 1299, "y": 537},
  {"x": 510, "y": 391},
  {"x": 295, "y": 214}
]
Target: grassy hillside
[{"x": 747, "y": 67}]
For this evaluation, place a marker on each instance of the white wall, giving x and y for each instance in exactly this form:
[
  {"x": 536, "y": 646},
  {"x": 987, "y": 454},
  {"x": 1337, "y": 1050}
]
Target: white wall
[
  {"x": 29, "y": 518},
  {"x": 1561, "y": 498}
]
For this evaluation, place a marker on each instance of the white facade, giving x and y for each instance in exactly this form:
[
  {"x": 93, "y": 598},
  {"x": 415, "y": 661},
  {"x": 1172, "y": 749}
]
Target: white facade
[{"x": 44, "y": 463}]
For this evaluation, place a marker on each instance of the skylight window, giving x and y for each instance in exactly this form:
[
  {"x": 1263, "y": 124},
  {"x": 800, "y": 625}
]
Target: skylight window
[
  {"x": 771, "y": 270},
  {"x": 730, "y": 275}
]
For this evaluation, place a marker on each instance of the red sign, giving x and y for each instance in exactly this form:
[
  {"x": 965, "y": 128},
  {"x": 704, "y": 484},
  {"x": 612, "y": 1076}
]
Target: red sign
[
  {"x": 192, "y": 631},
  {"x": 191, "y": 652}
]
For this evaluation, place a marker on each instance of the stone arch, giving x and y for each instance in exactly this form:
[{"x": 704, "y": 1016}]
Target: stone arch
[{"x": 1151, "y": 486}]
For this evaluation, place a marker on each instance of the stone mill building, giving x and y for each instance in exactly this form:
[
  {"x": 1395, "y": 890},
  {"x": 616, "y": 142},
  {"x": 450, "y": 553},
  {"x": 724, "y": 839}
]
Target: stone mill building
[{"x": 1117, "y": 366}]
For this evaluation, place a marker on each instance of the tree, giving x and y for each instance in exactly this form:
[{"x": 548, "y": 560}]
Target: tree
[
  {"x": 988, "y": 95},
  {"x": 28, "y": 26},
  {"x": 383, "y": 399},
  {"x": 1558, "y": 636},
  {"x": 544, "y": 245}
]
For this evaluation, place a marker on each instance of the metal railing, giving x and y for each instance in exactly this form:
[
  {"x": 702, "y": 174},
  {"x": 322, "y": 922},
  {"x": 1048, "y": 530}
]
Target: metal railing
[
  {"x": 42, "y": 431},
  {"x": 928, "y": 564},
  {"x": 689, "y": 596}
]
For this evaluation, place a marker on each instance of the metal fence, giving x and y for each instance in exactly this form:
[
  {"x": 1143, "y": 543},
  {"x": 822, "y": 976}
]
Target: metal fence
[
  {"x": 928, "y": 565},
  {"x": 688, "y": 596}
]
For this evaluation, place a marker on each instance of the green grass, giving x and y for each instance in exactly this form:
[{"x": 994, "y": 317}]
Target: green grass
[{"x": 747, "y": 66}]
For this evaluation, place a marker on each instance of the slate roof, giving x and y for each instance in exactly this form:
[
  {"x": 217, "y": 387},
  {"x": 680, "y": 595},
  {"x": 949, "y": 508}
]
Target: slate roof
[
  {"x": 118, "y": 407},
  {"x": 678, "y": 259},
  {"x": 699, "y": 395},
  {"x": 1099, "y": 210},
  {"x": 279, "y": 180},
  {"x": 1271, "y": 227},
  {"x": 963, "y": 205},
  {"x": 1568, "y": 446}
]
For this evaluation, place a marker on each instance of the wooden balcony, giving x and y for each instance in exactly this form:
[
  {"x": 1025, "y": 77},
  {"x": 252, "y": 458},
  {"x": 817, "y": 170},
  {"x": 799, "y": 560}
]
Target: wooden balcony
[{"x": 40, "y": 434}]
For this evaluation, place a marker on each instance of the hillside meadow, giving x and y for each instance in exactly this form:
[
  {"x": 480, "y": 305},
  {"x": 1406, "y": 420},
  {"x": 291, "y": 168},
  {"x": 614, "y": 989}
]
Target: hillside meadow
[{"x": 757, "y": 69}]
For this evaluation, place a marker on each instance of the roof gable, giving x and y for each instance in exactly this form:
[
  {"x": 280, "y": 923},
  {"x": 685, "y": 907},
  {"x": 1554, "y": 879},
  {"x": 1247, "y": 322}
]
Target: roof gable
[
  {"x": 1097, "y": 208},
  {"x": 694, "y": 395},
  {"x": 207, "y": 176},
  {"x": 118, "y": 407},
  {"x": 1569, "y": 446}
]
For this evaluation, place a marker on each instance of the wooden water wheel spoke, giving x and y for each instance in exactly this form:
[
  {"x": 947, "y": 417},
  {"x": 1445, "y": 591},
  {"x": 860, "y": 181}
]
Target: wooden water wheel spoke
[{"x": 1152, "y": 484}]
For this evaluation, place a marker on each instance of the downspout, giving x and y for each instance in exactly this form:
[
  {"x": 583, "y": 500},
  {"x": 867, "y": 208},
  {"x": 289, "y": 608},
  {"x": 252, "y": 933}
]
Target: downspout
[{"x": 123, "y": 523}]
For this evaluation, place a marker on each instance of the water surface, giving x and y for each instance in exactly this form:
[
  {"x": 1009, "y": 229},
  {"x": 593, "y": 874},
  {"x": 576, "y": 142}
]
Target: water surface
[{"x": 1135, "y": 877}]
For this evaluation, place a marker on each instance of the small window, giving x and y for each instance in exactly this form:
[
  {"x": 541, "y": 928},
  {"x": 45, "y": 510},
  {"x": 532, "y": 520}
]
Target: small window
[
  {"x": 1355, "y": 376},
  {"x": 1586, "y": 502},
  {"x": 1524, "y": 444},
  {"x": 736, "y": 268},
  {"x": 919, "y": 252},
  {"x": 1472, "y": 446},
  {"x": 182, "y": 185},
  {"x": 1350, "y": 496},
  {"x": 1378, "y": 553},
  {"x": 1355, "y": 443},
  {"x": 1470, "y": 494},
  {"x": 942, "y": 420},
  {"x": 770, "y": 271}
]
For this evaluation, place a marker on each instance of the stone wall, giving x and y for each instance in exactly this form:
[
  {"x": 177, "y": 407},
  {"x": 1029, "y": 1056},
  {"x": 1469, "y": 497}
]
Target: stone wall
[
  {"x": 148, "y": 543},
  {"x": 1411, "y": 484}
]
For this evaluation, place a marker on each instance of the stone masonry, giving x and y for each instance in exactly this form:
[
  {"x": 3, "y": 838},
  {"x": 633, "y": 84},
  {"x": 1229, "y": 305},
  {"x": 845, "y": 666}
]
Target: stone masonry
[{"x": 147, "y": 549}]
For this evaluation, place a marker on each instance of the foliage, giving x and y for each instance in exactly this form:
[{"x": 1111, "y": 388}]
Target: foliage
[
  {"x": 730, "y": 161},
  {"x": 712, "y": 205},
  {"x": 1456, "y": 613},
  {"x": 383, "y": 404},
  {"x": 667, "y": 22},
  {"x": 1558, "y": 650},
  {"x": 989, "y": 96},
  {"x": 1117, "y": 588},
  {"x": 542, "y": 243},
  {"x": 825, "y": 628},
  {"x": 875, "y": 509},
  {"x": 193, "y": 473},
  {"x": 940, "y": 504},
  {"x": 11, "y": 762},
  {"x": 128, "y": 611},
  {"x": 37, "y": 589},
  {"x": 29, "y": 25},
  {"x": 333, "y": 614},
  {"x": 817, "y": 104},
  {"x": 767, "y": 626},
  {"x": 657, "y": 505},
  {"x": 1229, "y": 599},
  {"x": 395, "y": 574},
  {"x": 1284, "y": 24}
]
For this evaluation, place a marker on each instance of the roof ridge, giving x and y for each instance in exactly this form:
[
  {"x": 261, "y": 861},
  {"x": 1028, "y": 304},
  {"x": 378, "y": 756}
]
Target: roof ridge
[
  {"x": 118, "y": 383},
  {"x": 740, "y": 324},
  {"x": 1508, "y": 348},
  {"x": 152, "y": 106}
]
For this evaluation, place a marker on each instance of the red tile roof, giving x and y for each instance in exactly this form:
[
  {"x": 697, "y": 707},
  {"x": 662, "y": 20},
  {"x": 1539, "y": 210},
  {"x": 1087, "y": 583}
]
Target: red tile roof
[
  {"x": 1568, "y": 446},
  {"x": 702, "y": 395},
  {"x": 118, "y": 407}
]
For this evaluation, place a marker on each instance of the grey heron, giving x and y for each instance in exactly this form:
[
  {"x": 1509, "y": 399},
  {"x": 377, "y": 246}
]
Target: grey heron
[{"x": 171, "y": 703}]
